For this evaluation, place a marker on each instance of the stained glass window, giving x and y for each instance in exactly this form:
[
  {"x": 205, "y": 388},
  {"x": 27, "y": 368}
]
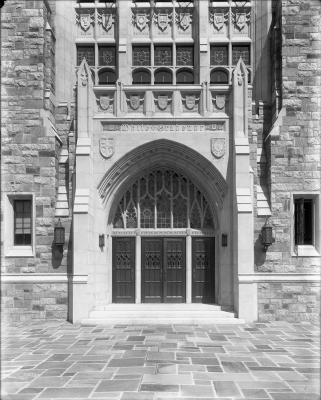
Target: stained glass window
[
  {"x": 241, "y": 51},
  {"x": 141, "y": 55},
  {"x": 163, "y": 194},
  {"x": 184, "y": 55},
  {"x": 219, "y": 55},
  {"x": 87, "y": 52},
  {"x": 163, "y": 55},
  {"x": 107, "y": 55}
]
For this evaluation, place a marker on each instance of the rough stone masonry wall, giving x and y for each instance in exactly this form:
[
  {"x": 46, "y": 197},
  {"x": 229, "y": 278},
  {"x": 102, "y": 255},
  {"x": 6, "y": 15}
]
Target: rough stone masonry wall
[
  {"x": 295, "y": 161},
  {"x": 29, "y": 154}
]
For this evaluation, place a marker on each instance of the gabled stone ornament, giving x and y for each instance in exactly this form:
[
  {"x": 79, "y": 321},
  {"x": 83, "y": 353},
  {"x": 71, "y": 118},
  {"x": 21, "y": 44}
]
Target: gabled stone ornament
[
  {"x": 84, "y": 73},
  {"x": 240, "y": 96}
]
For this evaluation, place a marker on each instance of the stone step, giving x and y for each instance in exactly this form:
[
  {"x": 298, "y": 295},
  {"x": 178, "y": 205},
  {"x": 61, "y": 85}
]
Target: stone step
[{"x": 164, "y": 313}]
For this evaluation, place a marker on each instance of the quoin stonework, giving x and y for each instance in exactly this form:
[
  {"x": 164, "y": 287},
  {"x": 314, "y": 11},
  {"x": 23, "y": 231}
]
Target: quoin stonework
[{"x": 156, "y": 153}]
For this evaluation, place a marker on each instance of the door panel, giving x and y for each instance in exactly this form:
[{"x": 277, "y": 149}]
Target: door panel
[
  {"x": 174, "y": 270},
  {"x": 203, "y": 267},
  {"x": 163, "y": 270},
  {"x": 123, "y": 270},
  {"x": 152, "y": 270}
]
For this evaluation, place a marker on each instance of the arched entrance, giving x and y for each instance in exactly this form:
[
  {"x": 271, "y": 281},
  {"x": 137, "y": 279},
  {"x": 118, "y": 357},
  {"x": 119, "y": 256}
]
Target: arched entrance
[{"x": 163, "y": 240}]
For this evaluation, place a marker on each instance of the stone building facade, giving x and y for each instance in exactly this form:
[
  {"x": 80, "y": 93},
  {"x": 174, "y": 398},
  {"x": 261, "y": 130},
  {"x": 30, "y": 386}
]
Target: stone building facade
[{"x": 168, "y": 139}]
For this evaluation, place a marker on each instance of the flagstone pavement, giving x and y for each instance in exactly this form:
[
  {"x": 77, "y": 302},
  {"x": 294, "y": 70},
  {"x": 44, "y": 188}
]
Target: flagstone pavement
[{"x": 58, "y": 360}]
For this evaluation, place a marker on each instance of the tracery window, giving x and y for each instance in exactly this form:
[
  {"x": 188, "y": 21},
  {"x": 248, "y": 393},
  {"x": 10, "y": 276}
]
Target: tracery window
[
  {"x": 163, "y": 199},
  {"x": 163, "y": 55},
  {"x": 141, "y": 55}
]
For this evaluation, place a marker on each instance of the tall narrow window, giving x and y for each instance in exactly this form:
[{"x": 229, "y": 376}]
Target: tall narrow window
[
  {"x": 107, "y": 55},
  {"x": 163, "y": 55},
  {"x": 303, "y": 221},
  {"x": 22, "y": 222}
]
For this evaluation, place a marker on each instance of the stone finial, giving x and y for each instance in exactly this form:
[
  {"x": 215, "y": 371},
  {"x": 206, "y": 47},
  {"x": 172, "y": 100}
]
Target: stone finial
[
  {"x": 84, "y": 74},
  {"x": 240, "y": 97}
]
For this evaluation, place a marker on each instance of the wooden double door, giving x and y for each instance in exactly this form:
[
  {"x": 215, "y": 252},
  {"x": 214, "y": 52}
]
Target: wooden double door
[{"x": 163, "y": 270}]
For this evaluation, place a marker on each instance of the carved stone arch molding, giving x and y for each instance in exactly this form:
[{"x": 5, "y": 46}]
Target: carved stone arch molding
[{"x": 163, "y": 153}]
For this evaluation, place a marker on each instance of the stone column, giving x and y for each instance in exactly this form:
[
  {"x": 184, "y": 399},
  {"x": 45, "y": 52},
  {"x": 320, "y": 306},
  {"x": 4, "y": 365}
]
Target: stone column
[
  {"x": 138, "y": 270},
  {"x": 188, "y": 268}
]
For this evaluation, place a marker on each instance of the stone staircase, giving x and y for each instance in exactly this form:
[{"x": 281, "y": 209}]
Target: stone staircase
[{"x": 164, "y": 313}]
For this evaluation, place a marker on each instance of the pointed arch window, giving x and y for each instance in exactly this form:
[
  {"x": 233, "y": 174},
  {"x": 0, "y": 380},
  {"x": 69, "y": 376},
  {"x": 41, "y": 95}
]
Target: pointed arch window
[{"x": 163, "y": 199}]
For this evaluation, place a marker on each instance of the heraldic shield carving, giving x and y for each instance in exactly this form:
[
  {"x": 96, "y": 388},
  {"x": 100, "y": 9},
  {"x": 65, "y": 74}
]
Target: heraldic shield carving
[
  {"x": 84, "y": 20},
  {"x": 190, "y": 102},
  {"x": 162, "y": 102},
  {"x": 104, "y": 102},
  {"x": 218, "y": 147},
  {"x": 220, "y": 101},
  {"x": 134, "y": 101},
  {"x": 106, "y": 147},
  {"x": 163, "y": 21}
]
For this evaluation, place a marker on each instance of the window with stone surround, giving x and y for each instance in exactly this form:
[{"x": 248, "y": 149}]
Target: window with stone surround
[
  {"x": 19, "y": 225},
  {"x": 242, "y": 51},
  {"x": 306, "y": 225},
  {"x": 107, "y": 55}
]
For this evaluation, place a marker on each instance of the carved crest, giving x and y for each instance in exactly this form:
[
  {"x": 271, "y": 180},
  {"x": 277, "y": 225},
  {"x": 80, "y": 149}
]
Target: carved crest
[
  {"x": 162, "y": 21},
  {"x": 241, "y": 19},
  {"x": 134, "y": 101},
  {"x": 106, "y": 147},
  {"x": 83, "y": 77},
  {"x": 104, "y": 102},
  {"x": 218, "y": 147},
  {"x": 220, "y": 101},
  {"x": 85, "y": 21},
  {"x": 141, "y": 20},
  {"x": 218, "y": 18},
  {"x": 162, "y": 102},
  {"x": 106, "y": 20},
  {"x": 184, "y": 20},
  {"x": 190, "y": 101}
]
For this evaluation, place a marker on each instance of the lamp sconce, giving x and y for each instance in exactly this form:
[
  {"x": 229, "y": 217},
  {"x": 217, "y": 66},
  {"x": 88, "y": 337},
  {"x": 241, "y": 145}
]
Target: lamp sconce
[
  {"x": 101, "y": 241},
  {"x": 267, "y": 235},
  {"x": 59, "y": 234}
]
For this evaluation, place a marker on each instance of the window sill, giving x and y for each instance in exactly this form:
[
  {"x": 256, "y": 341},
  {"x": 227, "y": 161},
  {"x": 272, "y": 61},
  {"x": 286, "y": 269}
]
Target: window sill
[
  {"x": 306, "y": 251},
  {"x": 20, "y": 251}
]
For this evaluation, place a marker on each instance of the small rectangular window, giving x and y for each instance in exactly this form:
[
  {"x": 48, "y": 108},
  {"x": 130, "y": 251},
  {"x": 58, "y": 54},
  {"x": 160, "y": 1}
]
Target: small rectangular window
[
  {"x": 184, "y": 55},
  {"x": 22, "y": 222},
  {"x": 87, "y": 52},
  {"x": 107, "y": 56},
  {"x": 303, "y": 221},
  {"x": 141, "y": 55},
  {"x": 219, "y": 55},
  {"x": 241, "y": 51},
  {"x": 163, "y": 55}
]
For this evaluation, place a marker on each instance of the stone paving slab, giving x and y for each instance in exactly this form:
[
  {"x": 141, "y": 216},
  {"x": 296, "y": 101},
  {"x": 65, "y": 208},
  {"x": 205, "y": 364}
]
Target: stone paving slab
[{"x": 57, "y": 360}]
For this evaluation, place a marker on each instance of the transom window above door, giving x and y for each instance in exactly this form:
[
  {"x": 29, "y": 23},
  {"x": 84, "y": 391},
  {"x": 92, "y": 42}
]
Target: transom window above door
[{"x": 163, "y": 199}]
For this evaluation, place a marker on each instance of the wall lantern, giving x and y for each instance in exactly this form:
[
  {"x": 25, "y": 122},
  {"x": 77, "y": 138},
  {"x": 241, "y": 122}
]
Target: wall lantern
[
  {"x": 224, "y": 240},
  {"x": 59, "y": 234},
  {"x": 266, "y": 235},
  {"x": 102, "y": 241}
]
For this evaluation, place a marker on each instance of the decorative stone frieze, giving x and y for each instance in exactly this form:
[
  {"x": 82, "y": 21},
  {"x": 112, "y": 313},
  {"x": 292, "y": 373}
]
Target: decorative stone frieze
[
  {"x": 218, "y": 18},
  {"x": 85, "y": 19},
  {"x": 106, "y": 21},
  {"x": 163, "y": 19},
  {"x": 241, "y": 18},
  {"x": 190, "y": 102},
  {"x": 106, "y": 103},
  {"x": 141, "y": 21}
]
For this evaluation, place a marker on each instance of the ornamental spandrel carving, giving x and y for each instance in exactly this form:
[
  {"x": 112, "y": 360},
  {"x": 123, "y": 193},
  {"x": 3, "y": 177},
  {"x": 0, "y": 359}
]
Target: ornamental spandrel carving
[
  {"x": 85, "y": 19},
  {"x": 184, "y": 20},
  {"x": 241, "y": 18},
  {"x": 141, "y": 21},
  {"x": 190, "y": 102},
  {"x": 106, "y": 20},
  {"x": 219, "y": 19},
  {"x": 163, "y": 19},
  {"x": 107, "y": 147},
  {"x": 218, "y": 147}
]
